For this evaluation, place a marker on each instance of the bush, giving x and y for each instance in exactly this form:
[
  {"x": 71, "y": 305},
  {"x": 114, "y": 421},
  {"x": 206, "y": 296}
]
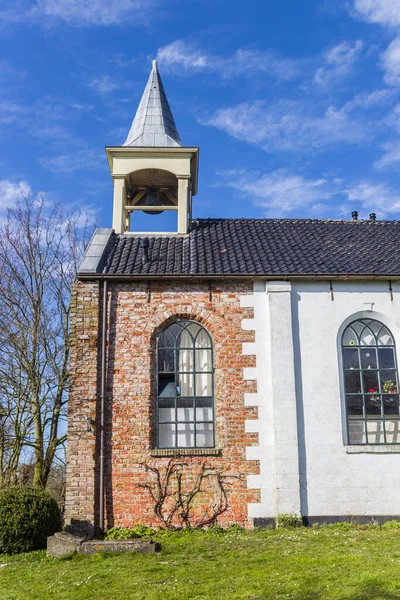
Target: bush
[
  {"x": 289, "y": 520},
  {"x": 391, "y": 524},
  {"x": 125, "y": 533},
  {"x": 27, "y": 517}
]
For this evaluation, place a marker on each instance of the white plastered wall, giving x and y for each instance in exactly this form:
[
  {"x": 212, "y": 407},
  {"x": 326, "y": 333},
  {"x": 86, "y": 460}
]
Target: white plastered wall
[
  {"x": 337, "y": 479},
  {"x": 277, "y": 448}
]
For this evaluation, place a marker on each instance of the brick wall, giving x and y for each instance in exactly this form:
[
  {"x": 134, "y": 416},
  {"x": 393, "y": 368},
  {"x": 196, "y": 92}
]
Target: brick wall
[{"x": 137, "y": 312}]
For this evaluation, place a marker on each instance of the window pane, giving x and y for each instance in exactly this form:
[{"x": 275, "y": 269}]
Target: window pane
[
  {"x": 166, "y": 410},
  {"x": 368, "y": 358},
  {"x": 391, "y": 404},
  {"x": 355, "y": 405},
  {"x": 203, "y": 360},
  {"x": 388, "y": 382},
  {"x": 373, "y": 405},
  {"x": 185, "y": 360},
  {"x": 204, "y": 409},
  {"x": 166, "y": 436},
  {"x": 194, "y": 329},
  {"x": 166, "y": 361},
  {"x": 349, "y": 338},
  {"x": 386, "y": 358},
  {"x": 392, "y": 431},
  {"x": 166, "y": 386},
  {"x": 204, "y": 435},
  {"x": 385, "y": 339},
  {"x": 203, "y": 340},
  {"x": 185, "y": 384},
  {"x": 357, "y": 432},
  {"x": 352, "y": 382},
  {"x": 185, "y": 410},
  {"x": 185, "y": 339},
  {"x": 204, "y": 384},
  {"x": 350, "y": 358},
  {"x": 367, "y": 337},
  {"x": 370, "y": 382},
  {"x": 185, "y": 435},
  {"x": 375, "y": 432},
  {"x": 168, "y": 337}
]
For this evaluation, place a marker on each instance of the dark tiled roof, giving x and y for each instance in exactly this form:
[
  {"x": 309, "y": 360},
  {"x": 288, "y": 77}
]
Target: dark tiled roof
[{"x": 264, "y": 247}]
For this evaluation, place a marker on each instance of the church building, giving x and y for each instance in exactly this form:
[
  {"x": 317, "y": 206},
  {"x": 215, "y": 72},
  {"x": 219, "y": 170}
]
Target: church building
[{"x": 230, "y": 370}]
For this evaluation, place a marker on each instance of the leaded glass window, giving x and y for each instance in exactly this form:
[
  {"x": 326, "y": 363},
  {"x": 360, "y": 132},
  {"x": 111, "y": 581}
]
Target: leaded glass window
[
  {"x": 185, "y": 387},
  {"x": 371, "y": 383}
]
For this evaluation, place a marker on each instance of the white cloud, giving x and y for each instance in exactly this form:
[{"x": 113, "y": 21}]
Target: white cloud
[
  {"x": 79, "y": 12},
  {"x": 11, "y": 192},
  {"x": 68, "y": 163},
  {"x": 375, "y": 197},
  {"x": 391, "y": 156},
  {"x": 382, "y": 12},
  {"x": 105, "y": 84},
  {"x": 290, "y": 126},
  {"x": 339, "y": 62},
  {"x": 182, "y": 57},
  {"x": 391, "y": 63},
  {"x": 281, "y": 193}
]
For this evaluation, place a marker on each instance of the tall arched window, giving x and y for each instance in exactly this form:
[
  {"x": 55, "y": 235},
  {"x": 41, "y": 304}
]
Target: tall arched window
[
  {"x": 185, "y": 387},
  {"x": 371, "y": 383}
]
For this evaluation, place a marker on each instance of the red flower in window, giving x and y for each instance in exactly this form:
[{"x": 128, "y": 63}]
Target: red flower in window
[{"x": 373, "y": 390}]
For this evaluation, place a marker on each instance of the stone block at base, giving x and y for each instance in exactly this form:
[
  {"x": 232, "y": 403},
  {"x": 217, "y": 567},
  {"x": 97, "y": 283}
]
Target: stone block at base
[{"x": 63, "y": 544}]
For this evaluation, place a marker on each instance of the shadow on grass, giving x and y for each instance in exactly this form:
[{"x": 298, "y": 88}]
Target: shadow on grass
[{"x": 368, "y": 591}]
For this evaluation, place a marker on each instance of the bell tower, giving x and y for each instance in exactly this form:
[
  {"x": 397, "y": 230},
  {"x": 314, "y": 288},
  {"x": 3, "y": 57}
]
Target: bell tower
[{"x": 152, "y": 172}]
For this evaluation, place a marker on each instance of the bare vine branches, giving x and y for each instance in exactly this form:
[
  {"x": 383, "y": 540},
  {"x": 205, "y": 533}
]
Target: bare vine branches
[{"x": 183, "y": 499}]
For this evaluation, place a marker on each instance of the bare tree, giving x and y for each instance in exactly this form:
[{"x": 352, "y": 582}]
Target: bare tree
[{"x": 40, "y": 248}]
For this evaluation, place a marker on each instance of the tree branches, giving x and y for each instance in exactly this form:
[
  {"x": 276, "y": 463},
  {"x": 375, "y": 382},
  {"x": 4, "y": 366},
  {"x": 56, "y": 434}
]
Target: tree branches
[{"x": 196, "y": 500}]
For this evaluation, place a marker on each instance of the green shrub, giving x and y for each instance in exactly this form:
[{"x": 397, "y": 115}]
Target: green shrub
[
  {"x": 125, "y": 533},
  {"x": 391, "y": 525},
  {"x": 289, "y": 520},
  {"x": 27, "y": 517}
]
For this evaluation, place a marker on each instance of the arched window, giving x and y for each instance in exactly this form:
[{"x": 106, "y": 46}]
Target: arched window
[
  {"x": 185, "y": 382},
  {"x": 371, "y": 383}
]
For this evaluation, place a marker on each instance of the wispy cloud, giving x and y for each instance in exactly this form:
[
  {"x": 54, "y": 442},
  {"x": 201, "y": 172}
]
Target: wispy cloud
[
  {"x": 382, "y": 12},
  {"x": 105, "y": 84},
  {"x": 79, "y": 13},
  {"x": 182, "y": 57},
  {"x": 374, "y": 197},
  {"x": 71, "y": 162},
  {"x": 281, "y": 192},
  {"x": 291, "y": 126},
  {"x": 11, "y": 192},
  {"x": 391, "y": 63},
  {"x": 339, "y": 62}
]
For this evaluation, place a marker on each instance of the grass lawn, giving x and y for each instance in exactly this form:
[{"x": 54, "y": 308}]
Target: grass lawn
[{"x": 304, "y": 564}]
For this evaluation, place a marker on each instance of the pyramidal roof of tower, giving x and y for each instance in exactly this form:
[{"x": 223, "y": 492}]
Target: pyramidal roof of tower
[{"x": 153, "y": 124}]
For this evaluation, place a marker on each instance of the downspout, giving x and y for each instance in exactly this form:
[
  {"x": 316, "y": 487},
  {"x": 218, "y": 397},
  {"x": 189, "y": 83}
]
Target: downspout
[{"x": 102, "y": 403}]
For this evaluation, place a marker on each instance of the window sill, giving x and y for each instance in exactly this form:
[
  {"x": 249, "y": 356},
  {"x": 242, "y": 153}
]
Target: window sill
[
  {"x": 185, "y": 452},
  {"x": 373, "y": 449}
]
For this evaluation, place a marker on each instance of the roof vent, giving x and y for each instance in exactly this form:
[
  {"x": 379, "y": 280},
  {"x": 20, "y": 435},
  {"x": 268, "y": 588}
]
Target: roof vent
[
  {"x": 144, "y": 245},
  {"x": 354, "y": 215},
  {"x": 372, "y": 216}
]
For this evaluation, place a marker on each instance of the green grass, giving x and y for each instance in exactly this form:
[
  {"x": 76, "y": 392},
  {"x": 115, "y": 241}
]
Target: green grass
[{"x": 302, "y": 564}]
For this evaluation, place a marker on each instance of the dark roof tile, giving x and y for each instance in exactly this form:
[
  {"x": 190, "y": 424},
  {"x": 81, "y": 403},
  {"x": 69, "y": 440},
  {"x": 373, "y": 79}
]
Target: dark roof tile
[{"x": 264, "y": 247}]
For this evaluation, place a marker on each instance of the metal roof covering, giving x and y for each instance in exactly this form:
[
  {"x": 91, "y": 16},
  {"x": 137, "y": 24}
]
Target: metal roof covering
[
  {"x": 153, "y": 124},
  {"x": 270, "y": 247}
]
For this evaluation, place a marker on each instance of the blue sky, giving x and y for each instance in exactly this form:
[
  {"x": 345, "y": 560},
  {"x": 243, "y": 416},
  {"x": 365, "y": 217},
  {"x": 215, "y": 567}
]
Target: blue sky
[{"x": 295, "y": 104}]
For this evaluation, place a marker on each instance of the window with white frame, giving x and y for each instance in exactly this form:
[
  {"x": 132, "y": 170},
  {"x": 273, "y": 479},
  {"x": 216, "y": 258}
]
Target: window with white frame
[
  {"x": 185, "y": 387},
  {"x": 371, "y": 383}
]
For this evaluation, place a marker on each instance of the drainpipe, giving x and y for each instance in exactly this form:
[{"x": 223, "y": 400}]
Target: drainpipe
[{"x": 102, "y": 403}]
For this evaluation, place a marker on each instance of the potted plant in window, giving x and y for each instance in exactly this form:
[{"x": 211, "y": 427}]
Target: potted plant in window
[{"x": 389, "y": 387}]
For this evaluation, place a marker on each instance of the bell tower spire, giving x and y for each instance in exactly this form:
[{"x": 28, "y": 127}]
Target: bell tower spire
[{"x": 153, "y": 172}]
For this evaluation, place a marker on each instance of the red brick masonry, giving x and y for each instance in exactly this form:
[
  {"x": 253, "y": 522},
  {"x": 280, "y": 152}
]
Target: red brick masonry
[{"x": 137, "y": 313}]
